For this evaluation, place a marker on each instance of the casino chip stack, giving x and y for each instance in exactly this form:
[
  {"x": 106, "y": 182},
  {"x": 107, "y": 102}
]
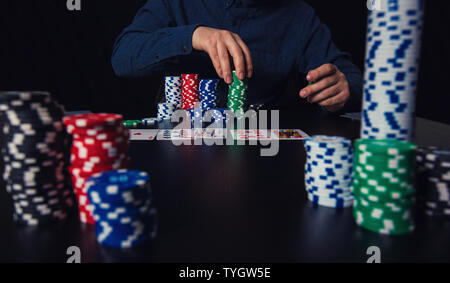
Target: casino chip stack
[
  {"x": 189, "y": 90},
  {"x": 392, "y": 67},
  {"x": 173, "y": 91},
  {"x": 100, "y": 143},
  {"x": 165, "y": 111},
  {"x": 218, "y": 115},
  {"x": 35, "y": 159},
  {"x": 149, "y": 121},
  {"x": 237, "y": 94},
  {"x": 383, "y": 185},
  {"x": 208, "y": 94},
  {"x": 328, "y": 171},
  {"x": 433, "y": 176},
  {"x": 124, "y": 211}
]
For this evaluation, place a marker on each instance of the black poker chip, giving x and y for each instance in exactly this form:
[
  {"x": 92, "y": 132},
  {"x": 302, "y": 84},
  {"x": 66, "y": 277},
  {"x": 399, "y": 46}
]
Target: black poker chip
[
  {"x": 35, "y": 154},
  {"x": 433, "y": 181}
]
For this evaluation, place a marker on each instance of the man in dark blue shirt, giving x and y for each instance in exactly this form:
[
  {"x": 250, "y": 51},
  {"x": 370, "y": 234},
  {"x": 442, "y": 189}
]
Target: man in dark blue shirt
[{"x": 265, "y": 40}]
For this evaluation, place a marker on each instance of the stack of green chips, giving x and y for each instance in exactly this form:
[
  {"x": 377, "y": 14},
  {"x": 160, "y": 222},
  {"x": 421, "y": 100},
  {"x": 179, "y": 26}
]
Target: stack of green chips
[
  {"x": 237, "y": 95},
  {"x": 132, "y": 123},
  {"x": 383, "y": 185}
]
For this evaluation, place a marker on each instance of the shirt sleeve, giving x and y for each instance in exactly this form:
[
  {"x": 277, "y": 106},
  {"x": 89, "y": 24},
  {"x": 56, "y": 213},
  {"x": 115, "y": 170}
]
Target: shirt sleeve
[
  {"x": 151, "y": 42},
  {"x": 319, "y": 49}
]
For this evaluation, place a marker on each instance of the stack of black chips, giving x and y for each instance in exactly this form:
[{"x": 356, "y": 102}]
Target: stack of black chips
[
  {"x": 433, "y": 181},
  {"x": 34, "y": 149}
]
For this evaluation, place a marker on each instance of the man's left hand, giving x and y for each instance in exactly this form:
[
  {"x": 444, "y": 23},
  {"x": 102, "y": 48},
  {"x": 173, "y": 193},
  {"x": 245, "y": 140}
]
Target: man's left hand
[{"x": 330, "y": 89}]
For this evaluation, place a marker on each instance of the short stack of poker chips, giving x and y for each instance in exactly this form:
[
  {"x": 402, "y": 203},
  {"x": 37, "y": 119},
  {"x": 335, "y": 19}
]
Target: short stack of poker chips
[
  {"x": 209, "y": 97},
  {"x": 383, "y": 185},
  {"x": 433, "y": 181},
  {"x": 237, "y": 94},
  {"x": 34, "y": 151},
  {"x": 165, "y": 111},
  {"x": 173, "y": 92},
  {"x": 217, "y": 115},
  {"x": 189, "y": 90},
  {"x": 149, "y": 121},
  {"x": 132, "y": 123},
  {"x": 123, "y": 208},
  {"x": 100, "y": 143},
  {"x": 196, "y": 115},
  {"x": 328, "y": 171},
  {"x": 391, "y": 71}
]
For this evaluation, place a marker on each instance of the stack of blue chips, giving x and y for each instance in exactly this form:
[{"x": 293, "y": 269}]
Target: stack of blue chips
[
  {"x": 165, "y": 111},
  {"x": 123, "y": 207},
  {"x": 150, "y": 121},
  {"x": 172, "y": 89},
  {"x": 391, "y": 72},
  {"x": 208, "y": 93},
  {"x": 328, "y": 171},
  {"x": 217, "y": 115}
]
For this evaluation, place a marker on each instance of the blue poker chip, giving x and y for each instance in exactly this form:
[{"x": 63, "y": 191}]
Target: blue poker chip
[
  {"x": 150, "y": 121},
  {"x": 127, "y": 233},
  {"x": 332, "y": 193},
  {"x": 123, "y": 207},
  {"x": 328, "y": 170},
  {"x": 331, "y": 202},
  {"x": 120, "y": 178}
]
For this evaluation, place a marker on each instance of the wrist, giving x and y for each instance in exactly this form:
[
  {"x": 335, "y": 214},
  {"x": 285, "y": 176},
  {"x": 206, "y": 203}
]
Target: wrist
[{"x": 196, "y": 41}]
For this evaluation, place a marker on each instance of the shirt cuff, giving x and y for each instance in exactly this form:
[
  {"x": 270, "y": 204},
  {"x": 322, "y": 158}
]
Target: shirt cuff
[{"x": 184, "y": 45}]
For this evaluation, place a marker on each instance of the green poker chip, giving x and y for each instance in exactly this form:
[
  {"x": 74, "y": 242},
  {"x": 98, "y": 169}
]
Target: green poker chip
[
  {"x": 385, "y": 226},
  {"x": 389, "y": 146},
  {"x": 132, "y": 123},
  {"x": 383, "y": 185},
  {"x": 237, "y": 94}
]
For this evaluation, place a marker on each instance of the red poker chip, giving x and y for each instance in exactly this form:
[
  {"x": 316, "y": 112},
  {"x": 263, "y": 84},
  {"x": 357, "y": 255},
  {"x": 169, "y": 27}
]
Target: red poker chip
[
  {"x": 93, "y": 119},
  {"x": 93, "y": 142},
  {"x": 88, "y": 168},
  {"x": 86, "y": 172},
  {"x": 83, "y": 199},
  {"x": 102, "y": 135},
  {"x": 97, "y": 160},
  {"x": 87, "y": 153},
  {"x": 94, "y": 131},
  {"x": 86, "y": 216},
  {"x": 100, "y": 143},
  {"x": 97, "y": 155},
  {"x": 189, "y": 76},
  {"x": 79, "y": 182},
  {"x": 86, "y": 208}
]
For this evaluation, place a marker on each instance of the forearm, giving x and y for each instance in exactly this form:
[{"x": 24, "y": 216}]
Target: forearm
[{"x": 140, "y": 53}]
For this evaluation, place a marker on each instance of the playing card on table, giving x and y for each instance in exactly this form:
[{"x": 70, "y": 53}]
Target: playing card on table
[
  {"x": 209, "y": 133},
  {"x": 252, "y": 135},
  {"x": 143, "y": 135},
  {"x": 181, "y": 134},
  {"x": 164, "y": 135},
  {"x": 290, "y": 134}
]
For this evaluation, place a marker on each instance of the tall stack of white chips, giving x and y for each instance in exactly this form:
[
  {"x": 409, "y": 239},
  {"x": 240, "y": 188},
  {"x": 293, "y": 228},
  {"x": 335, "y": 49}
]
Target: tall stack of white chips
[{"x": 392, "y": 67}]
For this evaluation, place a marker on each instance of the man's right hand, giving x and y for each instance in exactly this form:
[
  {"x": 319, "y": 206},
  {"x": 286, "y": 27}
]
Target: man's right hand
[{"x": 220, "y": 44}]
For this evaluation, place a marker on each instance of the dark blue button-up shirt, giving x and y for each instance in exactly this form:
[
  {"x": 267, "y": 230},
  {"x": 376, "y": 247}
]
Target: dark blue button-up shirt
[{"x": 283, "y": 36}]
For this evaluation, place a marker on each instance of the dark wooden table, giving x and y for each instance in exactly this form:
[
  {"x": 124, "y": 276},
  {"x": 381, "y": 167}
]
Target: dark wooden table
[{"x": 229, "y": 204}]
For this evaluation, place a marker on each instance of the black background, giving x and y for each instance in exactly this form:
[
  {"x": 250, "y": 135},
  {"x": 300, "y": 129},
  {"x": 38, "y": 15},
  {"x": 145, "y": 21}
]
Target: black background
[{"x": 43, "y": 46}]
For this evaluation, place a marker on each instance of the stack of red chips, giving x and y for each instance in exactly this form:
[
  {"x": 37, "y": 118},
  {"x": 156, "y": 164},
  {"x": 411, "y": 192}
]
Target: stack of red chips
[
  {"x": 100, "y": 143},
  {"x": 189, "y": 90}
]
